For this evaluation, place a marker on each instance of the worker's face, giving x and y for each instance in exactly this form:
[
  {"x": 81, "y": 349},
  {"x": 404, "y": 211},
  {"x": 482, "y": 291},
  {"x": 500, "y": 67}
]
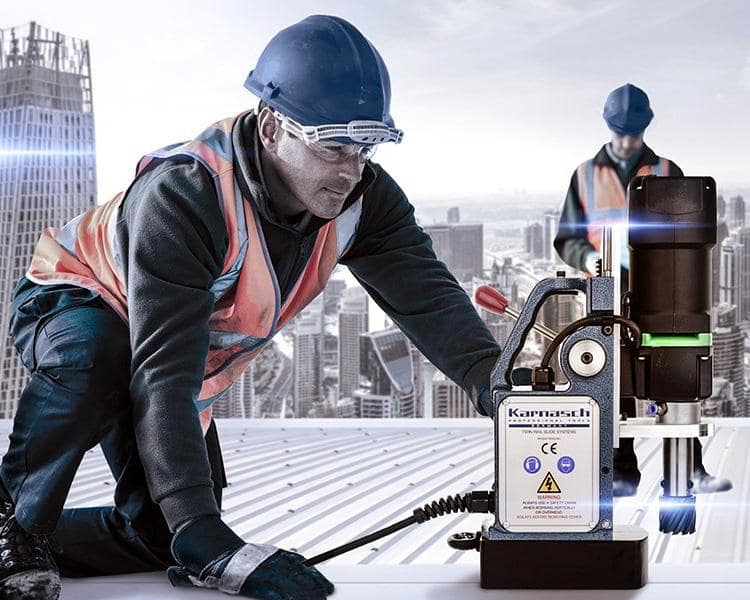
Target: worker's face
[
  {"x": 624, "y": 146},
  {"x": 321, "y": 186}
]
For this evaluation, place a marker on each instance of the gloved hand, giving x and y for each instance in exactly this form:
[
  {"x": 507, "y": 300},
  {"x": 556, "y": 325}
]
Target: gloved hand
[
  {"x": 250, "y": 570},
  {"x": 484, "y": 399}
]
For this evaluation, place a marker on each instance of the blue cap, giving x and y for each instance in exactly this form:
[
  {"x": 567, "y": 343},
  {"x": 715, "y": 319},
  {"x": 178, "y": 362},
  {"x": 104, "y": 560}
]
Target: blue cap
[{"x": 627, "y": 110}]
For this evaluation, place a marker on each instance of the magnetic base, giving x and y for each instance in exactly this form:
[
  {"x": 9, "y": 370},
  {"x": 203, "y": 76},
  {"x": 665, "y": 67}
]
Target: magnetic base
[{"x": 620, "y": 564}]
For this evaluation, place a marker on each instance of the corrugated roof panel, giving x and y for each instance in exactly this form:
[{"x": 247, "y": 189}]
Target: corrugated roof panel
[{"x": 314, "y": 484}]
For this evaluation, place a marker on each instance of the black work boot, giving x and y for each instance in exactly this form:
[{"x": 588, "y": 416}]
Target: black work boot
[
  {"x": 626, "y": 476},
  {"x": 27, "y": 570},
  {"x": 705, "y": 483}
]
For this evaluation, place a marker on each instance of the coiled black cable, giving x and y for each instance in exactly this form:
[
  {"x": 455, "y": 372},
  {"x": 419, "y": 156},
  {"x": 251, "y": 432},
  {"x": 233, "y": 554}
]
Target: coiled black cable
[
  {"x": 443, "y": 506},
  {"x": 476, "y": 501}
]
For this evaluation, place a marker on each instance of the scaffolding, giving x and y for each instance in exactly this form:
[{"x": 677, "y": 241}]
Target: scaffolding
[{"x": 44, "y": 68}]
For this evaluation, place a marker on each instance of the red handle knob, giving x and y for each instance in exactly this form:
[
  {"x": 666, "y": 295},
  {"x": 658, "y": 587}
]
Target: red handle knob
[{"x": 490, "y": 299}]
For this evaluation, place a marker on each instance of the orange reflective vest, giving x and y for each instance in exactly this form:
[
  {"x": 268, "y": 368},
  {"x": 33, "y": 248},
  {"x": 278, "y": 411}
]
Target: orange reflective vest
[
  {"x": 603, "y": 198},
  {"x": 247, "y": 311}
]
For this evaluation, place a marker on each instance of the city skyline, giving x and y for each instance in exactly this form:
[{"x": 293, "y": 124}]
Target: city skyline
[
  {"x": 518, "y": 85},
  {"x": 329, "y": 364}
]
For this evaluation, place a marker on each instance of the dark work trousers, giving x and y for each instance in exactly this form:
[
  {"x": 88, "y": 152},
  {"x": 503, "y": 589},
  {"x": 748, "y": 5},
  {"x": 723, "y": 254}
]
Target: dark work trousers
[
  {"x": 78, "y": 351},
  {"x": 625, "y": 460}
]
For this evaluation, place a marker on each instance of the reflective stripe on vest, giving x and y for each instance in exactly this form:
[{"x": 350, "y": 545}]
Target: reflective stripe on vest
[
  {"x": 603, "y": 199},
  {"x": 247, "y": 312}
]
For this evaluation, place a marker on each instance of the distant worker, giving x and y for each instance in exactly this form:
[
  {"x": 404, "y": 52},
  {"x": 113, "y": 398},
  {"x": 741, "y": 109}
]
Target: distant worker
[{"x": 597, "y": 195}]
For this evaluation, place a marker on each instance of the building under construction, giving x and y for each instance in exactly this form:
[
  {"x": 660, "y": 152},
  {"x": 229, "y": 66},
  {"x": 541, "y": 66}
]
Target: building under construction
[{"x": 47, "y": 160}]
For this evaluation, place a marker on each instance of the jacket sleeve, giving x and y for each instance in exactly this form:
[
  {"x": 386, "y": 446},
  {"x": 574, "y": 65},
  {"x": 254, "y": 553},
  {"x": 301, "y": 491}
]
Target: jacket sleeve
[
  {"x": 393, "y": 259},
  {"x": 172, "y": 232},
  {"x": 571, "y": 242}
]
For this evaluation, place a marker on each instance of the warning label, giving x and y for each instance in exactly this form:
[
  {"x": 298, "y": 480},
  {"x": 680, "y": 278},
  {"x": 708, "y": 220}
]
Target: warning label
[
  {"x": 549, "y": 485},
  {"x": 549, "y": 463}
]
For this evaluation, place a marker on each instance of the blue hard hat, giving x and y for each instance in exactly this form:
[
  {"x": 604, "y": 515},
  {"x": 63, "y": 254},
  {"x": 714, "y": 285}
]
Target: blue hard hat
[
  {"x": 627, "y": 110},
  {"x": 323, "y": 71}
]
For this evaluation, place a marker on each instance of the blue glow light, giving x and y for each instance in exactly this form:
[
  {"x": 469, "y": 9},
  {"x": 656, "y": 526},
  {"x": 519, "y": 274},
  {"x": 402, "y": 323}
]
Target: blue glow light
[
  {"x": 622, "y": 226},
  {"x": 5, "y": 152}
]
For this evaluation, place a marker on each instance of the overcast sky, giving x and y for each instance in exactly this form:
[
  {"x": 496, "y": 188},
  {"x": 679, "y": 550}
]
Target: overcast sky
[{"x": 493, "y": 96}]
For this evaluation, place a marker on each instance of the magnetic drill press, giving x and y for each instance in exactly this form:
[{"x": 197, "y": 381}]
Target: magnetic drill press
[{"x": 554, "y": 436}]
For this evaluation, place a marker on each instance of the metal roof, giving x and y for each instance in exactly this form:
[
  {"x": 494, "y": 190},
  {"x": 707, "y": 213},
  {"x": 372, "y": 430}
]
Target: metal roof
[{"x": 314, "y": 484}]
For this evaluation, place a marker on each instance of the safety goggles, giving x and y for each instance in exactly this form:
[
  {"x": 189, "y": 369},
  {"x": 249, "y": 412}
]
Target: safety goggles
[{"x": 321, "y": 138}]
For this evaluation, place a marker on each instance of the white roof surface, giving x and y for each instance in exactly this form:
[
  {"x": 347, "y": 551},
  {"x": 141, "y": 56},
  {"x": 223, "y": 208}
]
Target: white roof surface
[{"x": 312, "y": 485}]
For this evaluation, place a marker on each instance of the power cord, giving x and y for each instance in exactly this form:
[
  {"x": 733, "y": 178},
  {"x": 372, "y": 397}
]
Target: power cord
[
  {"x": 475, "y": 502},
  {"x": 604, "y": 320}
]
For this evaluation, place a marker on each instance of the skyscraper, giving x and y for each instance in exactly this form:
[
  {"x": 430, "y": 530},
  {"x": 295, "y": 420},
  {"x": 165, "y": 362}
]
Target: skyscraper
[
  {"x": 239, "y": 401},
  {"x": 449, "y": 400},
  {"x": 47, "y": 163},
  {"x": 460, "y": 246},
  {"x": 386, "y": 363},
  {"x": 308, "y": 358},
  {"x": 731, "y": 274},
  {"x": 454, "y": 215},
  {"x": 721, "y": 403},
  {"x": 467, "y": 245},
  {"x": 736, "y": 218},
  {"x": 534, "y": 240},
  {"x": 722, "y": 233},
  {"x": 728, "y": 351},
  {"x": 560, "y": 310},
  {"x": 551, "y": 220},
  {"x": 441, "y": 241},
  {"x": 743, "y": 236},
  {"x": 505, "y": 279},
  {"x": 332, "y": 294},
  {"x": 349, "y": 408},
  {"x": 417, "y": 366},
  {"x": 261, "y": 389},
  {"x": 500, "y": 329},
  {"x": 353, "y": 322}
]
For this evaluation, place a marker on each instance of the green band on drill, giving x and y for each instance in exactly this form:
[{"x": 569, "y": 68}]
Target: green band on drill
[{"x": 657, "y": 340}]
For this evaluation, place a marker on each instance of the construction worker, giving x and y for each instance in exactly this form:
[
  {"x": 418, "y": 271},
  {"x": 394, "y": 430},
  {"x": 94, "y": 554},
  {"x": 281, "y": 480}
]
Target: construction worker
[
  {"x": 137, "y": 315},
  {"x": 597, "y": 195}
]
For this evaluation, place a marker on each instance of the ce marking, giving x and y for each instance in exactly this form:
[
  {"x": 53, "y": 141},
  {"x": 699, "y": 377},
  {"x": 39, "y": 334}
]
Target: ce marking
[{"x": 548, "y": 448}]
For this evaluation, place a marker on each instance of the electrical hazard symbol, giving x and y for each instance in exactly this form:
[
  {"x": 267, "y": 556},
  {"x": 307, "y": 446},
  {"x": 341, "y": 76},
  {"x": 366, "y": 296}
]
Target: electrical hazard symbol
[{"x": 549, "y": 485}]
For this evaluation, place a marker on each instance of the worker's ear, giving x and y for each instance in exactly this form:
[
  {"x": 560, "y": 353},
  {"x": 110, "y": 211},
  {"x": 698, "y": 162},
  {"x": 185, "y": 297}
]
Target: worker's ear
[{"x": 268, "y": 129}]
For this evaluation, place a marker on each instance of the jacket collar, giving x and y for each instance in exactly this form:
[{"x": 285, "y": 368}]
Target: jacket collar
[{"x": 648, "y": 157}]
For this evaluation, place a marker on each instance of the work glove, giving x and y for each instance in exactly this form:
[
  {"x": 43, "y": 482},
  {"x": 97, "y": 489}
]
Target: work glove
[
  {"x": 249, "y": 570},
  {"x": 484, "y": 399}
]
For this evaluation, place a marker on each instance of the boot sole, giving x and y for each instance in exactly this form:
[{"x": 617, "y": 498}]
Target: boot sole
[{"x": 39, "y": 584}]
